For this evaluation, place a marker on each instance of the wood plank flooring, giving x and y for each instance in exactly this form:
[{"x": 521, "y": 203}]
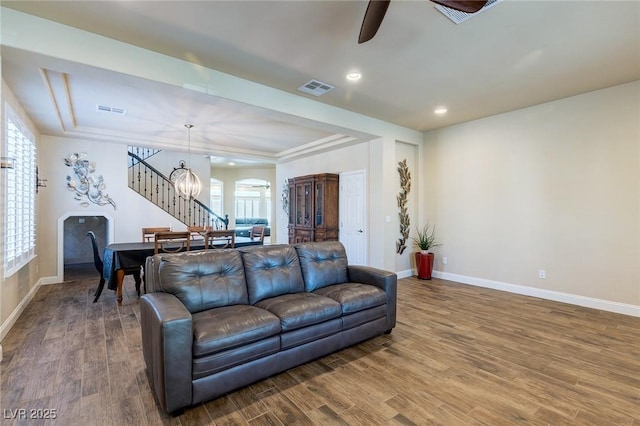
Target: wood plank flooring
[{"x": 460, "y": 355}]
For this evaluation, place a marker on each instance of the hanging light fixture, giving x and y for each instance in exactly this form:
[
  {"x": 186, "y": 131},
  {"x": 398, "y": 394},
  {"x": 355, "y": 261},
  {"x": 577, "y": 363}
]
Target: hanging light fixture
[{"x": 187, "y": 184}]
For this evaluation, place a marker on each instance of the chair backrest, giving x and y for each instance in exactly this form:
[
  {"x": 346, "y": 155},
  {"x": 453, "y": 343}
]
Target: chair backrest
[
  {"x": 96, "y": 254},
  {"x": 257, "y": 232},
  {"x": 220, "y": 238},
  {"x": 149, "y": 233},
  {"x": 171, "y": 242},
  {"x": 198, "y": 232}
]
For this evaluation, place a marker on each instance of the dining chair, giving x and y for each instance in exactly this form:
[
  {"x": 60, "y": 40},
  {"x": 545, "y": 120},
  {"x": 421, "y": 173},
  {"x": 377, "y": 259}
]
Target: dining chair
[
  {"x": 97, "y": 261},
  {"x": 198, "y": 232},
  {"x": 171, "y": 242},
  {"x": 227, "y": 238},
  {"x": 149, "y": 233},
  {"x": 257, "y": 232}
]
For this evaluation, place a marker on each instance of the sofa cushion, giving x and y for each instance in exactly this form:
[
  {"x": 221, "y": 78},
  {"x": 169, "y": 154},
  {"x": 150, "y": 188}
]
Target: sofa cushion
[
  {"x": 354, "y": 297},
  {"x": 224, "y": 360},
  {"x": 271, "y": 271},
  {"x": 363, "y": 317},
  {"x": 219, "y": 329},
  {"x": 322, "y": 264},
  {"x": 205, "y": 279},
  {"x": 311, "y": 333},
  {"x": 301, "y": 309},
  {"x": 252, "y": 221}
]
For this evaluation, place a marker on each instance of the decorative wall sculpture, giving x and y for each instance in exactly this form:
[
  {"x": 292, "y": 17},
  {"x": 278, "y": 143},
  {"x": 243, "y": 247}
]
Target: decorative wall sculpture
[
  {"x": 285, "y": 196},
  {"x": 85, "y": 185},
  {"x": 402, "y": 197}
]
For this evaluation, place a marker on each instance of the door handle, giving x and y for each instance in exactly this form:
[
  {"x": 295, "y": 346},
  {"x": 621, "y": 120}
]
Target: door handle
[{"x": 360, "y": 231}]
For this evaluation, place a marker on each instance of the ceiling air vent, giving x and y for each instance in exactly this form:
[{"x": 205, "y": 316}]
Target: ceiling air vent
[
  {"x": 315, "y": 88},
  {"x": 113, "y": 110},
  {"x": 459, "y": 17}
]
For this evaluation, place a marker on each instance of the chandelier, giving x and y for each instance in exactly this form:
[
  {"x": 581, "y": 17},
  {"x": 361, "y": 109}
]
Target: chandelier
[{"x": 187, "y": 183}]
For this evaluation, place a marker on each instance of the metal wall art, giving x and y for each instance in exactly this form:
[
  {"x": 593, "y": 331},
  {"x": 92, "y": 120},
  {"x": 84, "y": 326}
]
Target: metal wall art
[
  {"x": 402, "y": 197},
  {"x": 85, "y": 185},
  {"x": 285, "y": 196}
]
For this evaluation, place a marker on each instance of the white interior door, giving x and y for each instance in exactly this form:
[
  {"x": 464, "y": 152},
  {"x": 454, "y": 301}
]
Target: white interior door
[{"x": 353, "y": 227}]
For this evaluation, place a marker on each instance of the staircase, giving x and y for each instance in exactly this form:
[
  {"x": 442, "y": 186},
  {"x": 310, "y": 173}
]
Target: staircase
[{"x": 147, "y": 181}]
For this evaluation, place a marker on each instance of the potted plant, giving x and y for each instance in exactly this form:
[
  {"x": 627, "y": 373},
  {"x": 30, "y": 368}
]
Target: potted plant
[{"x": 425, "y": 240}]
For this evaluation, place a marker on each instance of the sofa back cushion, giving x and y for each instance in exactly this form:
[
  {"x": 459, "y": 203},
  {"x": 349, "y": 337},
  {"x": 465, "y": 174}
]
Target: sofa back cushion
[
  {"x": 271, "y": 271},
  {"x": 205, "y": 279},
  {"x": 252, "y": 221},
  {"x": 323, "y": 263}
]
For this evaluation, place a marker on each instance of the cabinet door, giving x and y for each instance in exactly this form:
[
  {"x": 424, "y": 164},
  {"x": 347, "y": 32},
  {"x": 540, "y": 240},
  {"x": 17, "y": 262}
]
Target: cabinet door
[
  {"x": 299, "y": 204},
  {"x": 304, "y": 204},
  {"x": 319, "y": 205},
  {"x": 292, "y": 210}
]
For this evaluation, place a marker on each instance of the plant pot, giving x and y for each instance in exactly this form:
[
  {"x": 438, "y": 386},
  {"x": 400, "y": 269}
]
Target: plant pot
[{"x": 424, "y": 264}]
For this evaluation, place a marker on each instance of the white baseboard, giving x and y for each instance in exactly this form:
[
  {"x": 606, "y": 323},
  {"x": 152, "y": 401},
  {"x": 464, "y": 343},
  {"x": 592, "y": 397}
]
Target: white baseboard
[
  {"x": 572, "y": 299},
  {"x": 49, "y": 280},
  {"x": 405, "y": 274},
  {"x": 556, "y": 296},
  {"x": 11, "y": 320}
]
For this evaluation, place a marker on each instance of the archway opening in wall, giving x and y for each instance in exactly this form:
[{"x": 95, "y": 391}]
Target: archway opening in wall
[
  {"x": 252, "y": 204},
  {"x": 75, "y": 253}
]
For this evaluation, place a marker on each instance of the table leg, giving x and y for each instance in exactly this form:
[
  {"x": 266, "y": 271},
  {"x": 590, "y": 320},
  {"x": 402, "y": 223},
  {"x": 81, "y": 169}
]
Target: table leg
[{"x": 119, "y": 280}]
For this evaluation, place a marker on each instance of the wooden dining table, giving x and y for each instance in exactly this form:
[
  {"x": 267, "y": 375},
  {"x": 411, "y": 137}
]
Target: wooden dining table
[{"x": 118, "y": 257}]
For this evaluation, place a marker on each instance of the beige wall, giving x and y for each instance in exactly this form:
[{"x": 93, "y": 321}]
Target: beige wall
[
  {"x": 15, "y": 288},
  {"x": 553, "y": 187}
]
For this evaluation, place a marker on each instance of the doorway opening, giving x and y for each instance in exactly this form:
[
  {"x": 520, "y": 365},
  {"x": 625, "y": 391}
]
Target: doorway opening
[
  {"x": 253, "y": 206},
  {"x": 74, "y": 246}
]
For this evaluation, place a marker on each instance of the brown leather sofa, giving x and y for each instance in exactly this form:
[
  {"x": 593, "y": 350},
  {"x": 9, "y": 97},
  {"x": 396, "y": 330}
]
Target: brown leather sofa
[{"x": 214, "y": 321}]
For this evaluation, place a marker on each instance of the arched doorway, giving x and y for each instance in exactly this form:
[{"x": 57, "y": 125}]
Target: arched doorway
[{"x": 72, "y": 230}]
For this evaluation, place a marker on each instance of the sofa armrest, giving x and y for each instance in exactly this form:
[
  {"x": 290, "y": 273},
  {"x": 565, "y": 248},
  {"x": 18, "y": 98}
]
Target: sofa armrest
[
  {"x": 167, "y": 341},
  {"x": 385, "y": 280}
]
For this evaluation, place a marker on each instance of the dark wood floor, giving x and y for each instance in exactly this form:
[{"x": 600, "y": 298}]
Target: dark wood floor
[{"x": 459, "y": 355}]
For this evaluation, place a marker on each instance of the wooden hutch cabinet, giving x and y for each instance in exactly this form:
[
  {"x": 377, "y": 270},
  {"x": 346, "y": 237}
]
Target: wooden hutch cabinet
[{"x": 313, "y": 208}]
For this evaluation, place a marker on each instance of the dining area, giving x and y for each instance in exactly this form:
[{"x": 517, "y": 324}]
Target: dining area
[{"x": 128, "y": 258}]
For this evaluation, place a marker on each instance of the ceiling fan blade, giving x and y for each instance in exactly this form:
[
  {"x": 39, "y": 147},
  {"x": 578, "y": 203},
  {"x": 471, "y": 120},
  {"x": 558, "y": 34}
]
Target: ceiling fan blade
[
  {"x": 372, "y": 19},
  {"x": 467, "y": 6}
]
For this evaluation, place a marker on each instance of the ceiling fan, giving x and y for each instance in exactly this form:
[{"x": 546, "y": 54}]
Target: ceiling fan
[{"x": 377, "y": 8}]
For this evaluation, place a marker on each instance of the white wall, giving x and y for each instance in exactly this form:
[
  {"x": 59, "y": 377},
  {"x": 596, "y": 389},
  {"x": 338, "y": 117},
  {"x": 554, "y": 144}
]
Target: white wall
[
  {"x": 553, "y": 187},
  {"x": 381, "y": 191},
  {"x": 132, "y": 211}
]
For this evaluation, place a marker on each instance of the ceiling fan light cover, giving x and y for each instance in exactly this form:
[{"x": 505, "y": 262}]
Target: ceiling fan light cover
[{"x": 188, "y": 184}]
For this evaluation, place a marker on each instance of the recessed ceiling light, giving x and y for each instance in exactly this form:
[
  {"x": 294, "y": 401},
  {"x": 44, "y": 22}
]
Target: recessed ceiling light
[
  {"x": 354, "y": 76},
  {"x": 231, "y": 163},
  {"x": 440, "y": 110}
]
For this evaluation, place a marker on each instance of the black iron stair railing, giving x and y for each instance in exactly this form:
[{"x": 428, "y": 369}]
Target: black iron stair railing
[
  {"x": 142, "y": 152},
  {"x": 147, "y": 181}
]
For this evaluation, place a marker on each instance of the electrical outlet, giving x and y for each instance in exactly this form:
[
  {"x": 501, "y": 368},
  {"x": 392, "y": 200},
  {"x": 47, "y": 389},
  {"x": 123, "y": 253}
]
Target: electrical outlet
[
  {"x": 542, "y": 274},
  {"x": 444, "y": 260}
]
